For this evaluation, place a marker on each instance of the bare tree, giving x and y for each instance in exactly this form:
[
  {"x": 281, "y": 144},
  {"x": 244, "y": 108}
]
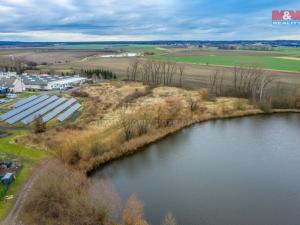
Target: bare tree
[
  {"x": 61, "y": 197},
  {"x": 40, "y": 125},
  {"x": 193, "y": 104},
  {"x": 133, "y": 213},
  {"x": 248, "y": 82},
  {"x": 169, "y": 219},
  {"x": 127, "y": 125},
  {"x": 181, "y": 71},
  {"x": 133, "y": 70},
  {"x": 104, "y": 195},
  {"x": 154, "y": 72}
]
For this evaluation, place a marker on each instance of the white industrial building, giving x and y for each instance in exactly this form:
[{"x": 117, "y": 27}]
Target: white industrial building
[
  {"x": 8, "y": 74},
  {"x": 48, "y": 82}
]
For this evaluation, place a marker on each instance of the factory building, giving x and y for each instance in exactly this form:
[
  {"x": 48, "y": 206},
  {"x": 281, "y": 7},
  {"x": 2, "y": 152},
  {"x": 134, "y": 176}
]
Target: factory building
[{"x": 48, "y": 82}]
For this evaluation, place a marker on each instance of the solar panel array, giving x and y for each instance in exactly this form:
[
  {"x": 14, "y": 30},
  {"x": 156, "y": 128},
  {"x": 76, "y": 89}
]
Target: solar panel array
[
  {"x": 42, "y": 111},
  {"x": 23, "y": 107},
  {"x": 25, "y": 100},
  {"x": 69, "y": 112},
  {"x": 58, "y": 110},
  {"x": 29, "y": 109}
]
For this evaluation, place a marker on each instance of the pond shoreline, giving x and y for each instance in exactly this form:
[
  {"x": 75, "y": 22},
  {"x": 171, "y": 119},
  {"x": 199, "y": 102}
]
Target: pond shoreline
[
  {"x": 138, "y": 144},
  {"x": 235, "y": 171}
]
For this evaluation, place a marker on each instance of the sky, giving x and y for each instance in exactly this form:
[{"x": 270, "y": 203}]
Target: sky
[{"x": 143, "y": 20}]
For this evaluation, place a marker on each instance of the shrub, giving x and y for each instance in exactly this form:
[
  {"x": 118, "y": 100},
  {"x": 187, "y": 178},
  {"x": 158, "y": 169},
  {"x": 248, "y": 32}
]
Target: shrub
[
  {"x": 133, "y": 96},
  {"x": 137, "y": 94},
  {"x": 167, "y": 112},
  {"x": 239, "y": 104},
  {"x": 281, "y": 103},
  {"x": 95, "y": 148},
  {"x": 79, "y": 94},
  {"x": 169, "y": 219},
  {"x": 133, "y": 213},
  {"x": 40, "y": 125},
  {"x": 265, "y": 106},
  {"x": 205, "y": 94},
  {"x": 127, "y": 123},
  {"x": 142, "y": 126},
  {"x": 70, "y": 152},
  {"x": 61, "y": 197},
  {"x": 193, "y": 104}
]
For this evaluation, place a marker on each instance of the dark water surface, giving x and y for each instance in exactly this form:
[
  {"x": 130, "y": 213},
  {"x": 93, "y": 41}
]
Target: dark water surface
[{"x": 231, "y": 172}]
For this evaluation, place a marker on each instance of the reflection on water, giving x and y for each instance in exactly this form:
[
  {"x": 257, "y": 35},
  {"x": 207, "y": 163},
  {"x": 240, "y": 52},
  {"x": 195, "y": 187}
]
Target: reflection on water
[{"x": 231, "y": 172}]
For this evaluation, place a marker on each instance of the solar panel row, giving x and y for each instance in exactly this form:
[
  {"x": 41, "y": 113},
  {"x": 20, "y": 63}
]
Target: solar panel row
[
  {"x": 31, "y": 110},
  {"x": 23, "y": 101},
  {"x": 42, "y": 111},
  {"x": 69, "y": 112},
  {"x": 23, "y": 107},
  {"x": 58, "y": 110}
]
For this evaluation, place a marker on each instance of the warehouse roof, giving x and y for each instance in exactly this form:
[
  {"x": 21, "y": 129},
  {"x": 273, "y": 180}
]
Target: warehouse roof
[
  {"x": 44, "y": 80},
  {"x": 7, "y": 81}
]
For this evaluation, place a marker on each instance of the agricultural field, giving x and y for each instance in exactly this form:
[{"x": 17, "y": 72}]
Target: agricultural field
[
  {"x": 42, "y": 55},
  {"x": 131, "y": 48},
  {"x": 267, "y": 62},
  {"x": 200, "y": 63},
  {"x": 280, "y": 59},
  {"x": 195, "y": 75}
]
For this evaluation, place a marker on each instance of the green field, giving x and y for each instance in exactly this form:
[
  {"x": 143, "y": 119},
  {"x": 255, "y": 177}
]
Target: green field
[
  {"x": 222, "y": 58},
  {"x": 29, "y": 157},
  {"x": 293, "y": 51},
  {"x": 268, "y": 62}
]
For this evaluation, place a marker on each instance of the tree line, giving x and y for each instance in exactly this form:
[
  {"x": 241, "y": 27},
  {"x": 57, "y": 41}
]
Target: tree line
[
  {"x": 154, "y": 72},
  {"x": 16, "y": 65},
  {"x": 252, "y": 82},
  {"x": 99, "y": 74}
]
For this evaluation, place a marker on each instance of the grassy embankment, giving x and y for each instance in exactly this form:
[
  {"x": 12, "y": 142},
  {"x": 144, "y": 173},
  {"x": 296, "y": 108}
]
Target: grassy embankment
[{"x": 29, "y": 157}]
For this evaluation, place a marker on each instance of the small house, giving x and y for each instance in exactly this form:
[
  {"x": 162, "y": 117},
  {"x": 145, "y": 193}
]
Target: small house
[
  {"x": 8, "y": 179},
  {"x": 12, "y": 84}
]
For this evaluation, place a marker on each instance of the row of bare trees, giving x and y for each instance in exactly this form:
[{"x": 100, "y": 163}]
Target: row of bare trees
[
  {"x": 247, "y": 82},
  {"x": 14, "y": 65},
  {"x": 253, "y": 83},
  {"x": 154, "y": 72}
]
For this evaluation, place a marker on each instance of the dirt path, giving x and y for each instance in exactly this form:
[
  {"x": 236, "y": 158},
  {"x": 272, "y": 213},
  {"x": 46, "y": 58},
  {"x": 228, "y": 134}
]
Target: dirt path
[{"x": 12, "y": 217}]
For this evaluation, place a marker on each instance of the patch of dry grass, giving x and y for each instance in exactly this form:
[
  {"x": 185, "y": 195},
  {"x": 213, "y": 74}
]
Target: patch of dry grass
[{"x": 119, "y": 118}]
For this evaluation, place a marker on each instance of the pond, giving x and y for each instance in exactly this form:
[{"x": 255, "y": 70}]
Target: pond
[{"x": 228, "y": 172}]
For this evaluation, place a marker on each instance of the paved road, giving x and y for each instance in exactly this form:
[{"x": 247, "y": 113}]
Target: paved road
[{"x": 13, "y": 216}]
